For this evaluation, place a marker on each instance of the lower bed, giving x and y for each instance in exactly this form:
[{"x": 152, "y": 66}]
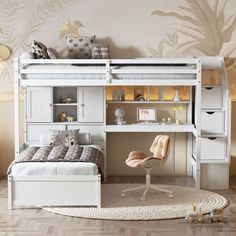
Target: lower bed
[
  {"x": 54, "y": 168},
  {"x": 54, "y": 184}
]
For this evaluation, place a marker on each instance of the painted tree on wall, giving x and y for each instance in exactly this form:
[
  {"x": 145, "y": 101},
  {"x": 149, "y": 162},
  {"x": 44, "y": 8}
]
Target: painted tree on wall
[
  {"x": 205, "y": 28},
  {"x": 18, "y": 35}
]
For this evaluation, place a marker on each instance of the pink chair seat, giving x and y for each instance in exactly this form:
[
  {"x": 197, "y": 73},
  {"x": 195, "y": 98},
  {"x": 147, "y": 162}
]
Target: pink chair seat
[{"x": 136, "y": 159}]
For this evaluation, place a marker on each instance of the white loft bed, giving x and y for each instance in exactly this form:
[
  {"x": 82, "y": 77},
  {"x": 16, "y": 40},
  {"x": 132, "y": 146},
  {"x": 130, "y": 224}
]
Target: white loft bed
[{"x": 63, "y": 190}]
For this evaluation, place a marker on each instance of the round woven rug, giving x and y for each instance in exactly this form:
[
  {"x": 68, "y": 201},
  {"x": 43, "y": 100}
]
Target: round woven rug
[{"x": 156, "y": 206}]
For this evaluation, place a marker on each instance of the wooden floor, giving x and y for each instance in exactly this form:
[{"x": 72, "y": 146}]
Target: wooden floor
[{"x": 39, "y": 222}]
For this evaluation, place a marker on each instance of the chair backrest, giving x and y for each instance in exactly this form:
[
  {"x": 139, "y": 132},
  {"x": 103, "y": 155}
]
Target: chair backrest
[{"x": 160, "y": 147}]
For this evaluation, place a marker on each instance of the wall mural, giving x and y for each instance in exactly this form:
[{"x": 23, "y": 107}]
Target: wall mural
[
  {"x": 204, "y": 28},
  {"x": 18, "y": 35}
]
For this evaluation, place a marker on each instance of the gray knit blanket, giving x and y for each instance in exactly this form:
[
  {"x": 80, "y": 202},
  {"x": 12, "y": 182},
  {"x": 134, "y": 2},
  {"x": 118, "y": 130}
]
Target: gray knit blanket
[{"x": 73, "y": 153}]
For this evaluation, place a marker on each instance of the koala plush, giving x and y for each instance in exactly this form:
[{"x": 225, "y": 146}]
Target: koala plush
[
  {"x": 79, "y": 47},
  {"x": 65, "y": 137}
]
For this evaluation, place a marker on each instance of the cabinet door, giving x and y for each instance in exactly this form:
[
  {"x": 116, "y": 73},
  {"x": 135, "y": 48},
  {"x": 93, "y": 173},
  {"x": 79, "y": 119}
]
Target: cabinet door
[
  {"x": 91, "y": 100},
  {"x": 39, "y": 104}
]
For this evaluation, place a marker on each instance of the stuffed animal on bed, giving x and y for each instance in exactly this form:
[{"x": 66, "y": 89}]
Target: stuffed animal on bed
[
  {"x": 65, "y": 137},
  {"x": 40, "y": 51},
  {"x": 79, "y": 47}
]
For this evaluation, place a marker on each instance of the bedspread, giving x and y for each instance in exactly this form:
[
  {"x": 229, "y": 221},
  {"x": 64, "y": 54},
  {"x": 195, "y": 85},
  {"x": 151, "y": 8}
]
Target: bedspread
[{"x": 73, "y": 153}]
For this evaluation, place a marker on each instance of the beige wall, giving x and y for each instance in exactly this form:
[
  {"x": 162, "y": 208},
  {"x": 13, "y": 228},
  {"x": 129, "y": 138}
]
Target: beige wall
[
  {"x": 133, "y": 28},
  {"x": 233, "y": 141},
  {"x": 7, "y": 135}
]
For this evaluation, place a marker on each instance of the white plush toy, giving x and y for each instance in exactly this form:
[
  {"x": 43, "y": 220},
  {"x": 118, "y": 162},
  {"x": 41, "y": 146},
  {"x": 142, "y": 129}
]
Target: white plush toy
[
  {"x": 119, "y": 113},
  {"x": 27, "y": 55}
]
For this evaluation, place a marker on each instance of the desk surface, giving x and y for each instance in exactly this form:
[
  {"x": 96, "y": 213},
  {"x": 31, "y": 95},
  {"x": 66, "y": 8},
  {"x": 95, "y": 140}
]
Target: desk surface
[{"x": 150, "y": 127}]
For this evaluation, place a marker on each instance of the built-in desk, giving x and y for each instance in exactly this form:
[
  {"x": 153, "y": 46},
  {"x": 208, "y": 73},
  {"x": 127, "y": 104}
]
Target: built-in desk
[{"x": 149, "y": 128}]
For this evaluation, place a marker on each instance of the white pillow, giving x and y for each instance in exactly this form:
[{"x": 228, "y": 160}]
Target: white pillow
[{"x": 45, "y": 138}]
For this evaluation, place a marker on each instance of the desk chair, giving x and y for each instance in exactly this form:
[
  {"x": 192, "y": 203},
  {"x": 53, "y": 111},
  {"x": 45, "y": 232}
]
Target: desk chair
[{"x": 136, "y": 159}]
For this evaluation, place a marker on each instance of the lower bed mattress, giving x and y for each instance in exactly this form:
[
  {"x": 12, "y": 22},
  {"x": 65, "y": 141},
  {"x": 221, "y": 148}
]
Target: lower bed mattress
[{"x": 54, "y": 168}]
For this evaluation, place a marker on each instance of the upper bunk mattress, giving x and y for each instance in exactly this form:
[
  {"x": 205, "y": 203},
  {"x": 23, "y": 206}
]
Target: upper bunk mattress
[
  {"x": 54, "y": 168},
  {"x": 98, "y": 72}
]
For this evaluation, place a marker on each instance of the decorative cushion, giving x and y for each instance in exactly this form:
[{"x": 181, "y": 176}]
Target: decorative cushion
[
  {"x": 65, "y": 137},
  {"x": 42, "y": 153},
  {"x": 57, "y": 152},
  {"x": 52, "y": 53},
  {"x": 100, "y": 51},
  {"x": 28, "y": 153},
  {"x": 39, "y": 50},
  {"x": 79, "y": 47},
  {"x": 73, "y": 153},
  {"x": 27, "y": 55}
]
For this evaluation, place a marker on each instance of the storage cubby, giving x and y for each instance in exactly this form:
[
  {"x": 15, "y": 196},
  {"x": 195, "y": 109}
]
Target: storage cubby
[
  {"x": 163, "y": 111},
  {"x": 211, "y": 77},
  {"x": 64, "y": 102},
  {"x": 69, "y": 110},
  {"x": 148, "y": 93},
  {"x": 69, "y": 92}
]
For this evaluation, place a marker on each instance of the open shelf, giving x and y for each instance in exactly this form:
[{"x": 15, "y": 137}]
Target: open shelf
[
  {"x": 144, "y": 102},
  {"x": 65, "y": 104}
]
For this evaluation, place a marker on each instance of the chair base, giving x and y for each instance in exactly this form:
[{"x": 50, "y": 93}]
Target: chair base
[{"x": 147, "y": 187}]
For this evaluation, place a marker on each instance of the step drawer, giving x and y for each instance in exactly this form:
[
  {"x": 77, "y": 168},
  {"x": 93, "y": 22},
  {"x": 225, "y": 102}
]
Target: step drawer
[
  {"x": 212, "y": 122},
  {"x": 213, "y": 148},
  {"x": 212, "y": 98}
]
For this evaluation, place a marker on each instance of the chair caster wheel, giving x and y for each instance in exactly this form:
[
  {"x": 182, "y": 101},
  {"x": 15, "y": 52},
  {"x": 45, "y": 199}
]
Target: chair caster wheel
[
  {"x": 171, "y": 195},
  {"x": 143, "y": 198},
  {"x": 122, "y": 194}
]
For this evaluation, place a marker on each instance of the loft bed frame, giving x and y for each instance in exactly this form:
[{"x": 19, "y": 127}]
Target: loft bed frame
[{"x": 35, "y": 190}]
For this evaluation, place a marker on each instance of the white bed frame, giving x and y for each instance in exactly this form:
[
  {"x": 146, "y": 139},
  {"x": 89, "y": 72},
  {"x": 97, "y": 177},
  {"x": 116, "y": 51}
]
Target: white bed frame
[
  {"x": 54, "y": 191},
  {"x": 86, "y": 190}
]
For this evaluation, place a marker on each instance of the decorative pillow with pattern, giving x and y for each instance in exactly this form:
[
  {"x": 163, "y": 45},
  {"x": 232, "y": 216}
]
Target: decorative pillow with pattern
[
  {"x": 28, "y": 153},
  {"x": 74, "y": 153},
  {"x": 79, "y": 47},
  {"x": 65, "y": 137},
  {"x": 39, "y": 50},
  {"x": 57, "y": 152},
  {"x": 100, "y": 51},
  {"x": 42, "y": 153}
]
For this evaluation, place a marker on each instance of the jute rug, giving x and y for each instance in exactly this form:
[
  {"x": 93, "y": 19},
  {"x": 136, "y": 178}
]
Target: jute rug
[{"x": 156, "y": 206}]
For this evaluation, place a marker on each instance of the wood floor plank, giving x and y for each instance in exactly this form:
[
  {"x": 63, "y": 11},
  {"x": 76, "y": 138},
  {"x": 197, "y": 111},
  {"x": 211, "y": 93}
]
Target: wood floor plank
[{"x": 37, "y": 222}]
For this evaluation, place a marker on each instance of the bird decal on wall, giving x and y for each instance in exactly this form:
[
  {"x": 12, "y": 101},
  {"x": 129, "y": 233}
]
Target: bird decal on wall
[{"x": 71, "y": 28}]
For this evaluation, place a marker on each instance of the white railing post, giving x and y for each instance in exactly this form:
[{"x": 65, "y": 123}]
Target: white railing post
[
  {"x": 108, "y": 72},
  {"x": 16, "y": 106},
  {"x": 198, "y": 124}
]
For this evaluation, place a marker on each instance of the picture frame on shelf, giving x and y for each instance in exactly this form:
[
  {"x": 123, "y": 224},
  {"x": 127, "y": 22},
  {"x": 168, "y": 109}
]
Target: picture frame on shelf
[{"x": 146, "y": 114}]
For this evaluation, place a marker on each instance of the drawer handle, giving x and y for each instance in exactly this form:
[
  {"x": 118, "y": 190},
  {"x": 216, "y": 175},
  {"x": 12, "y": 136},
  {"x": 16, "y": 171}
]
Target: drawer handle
[
  {"x": 212, "y": 138},
  {"x": 210, "y": 112},
  {"x": 208, "y": 88}
]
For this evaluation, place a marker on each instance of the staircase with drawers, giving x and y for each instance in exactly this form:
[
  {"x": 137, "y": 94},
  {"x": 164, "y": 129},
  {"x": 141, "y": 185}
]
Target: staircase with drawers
[{"x": 215, "y": 126}]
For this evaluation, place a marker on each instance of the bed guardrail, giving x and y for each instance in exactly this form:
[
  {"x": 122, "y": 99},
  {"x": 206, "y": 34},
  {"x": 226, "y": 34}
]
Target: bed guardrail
[{"x": 102, "y": 72}]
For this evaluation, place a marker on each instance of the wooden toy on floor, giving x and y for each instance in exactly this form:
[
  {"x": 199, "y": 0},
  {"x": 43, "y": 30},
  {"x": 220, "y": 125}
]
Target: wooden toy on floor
[
  {"x": 194, "y": 215},
  {"x": 216, "y": 215}
]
